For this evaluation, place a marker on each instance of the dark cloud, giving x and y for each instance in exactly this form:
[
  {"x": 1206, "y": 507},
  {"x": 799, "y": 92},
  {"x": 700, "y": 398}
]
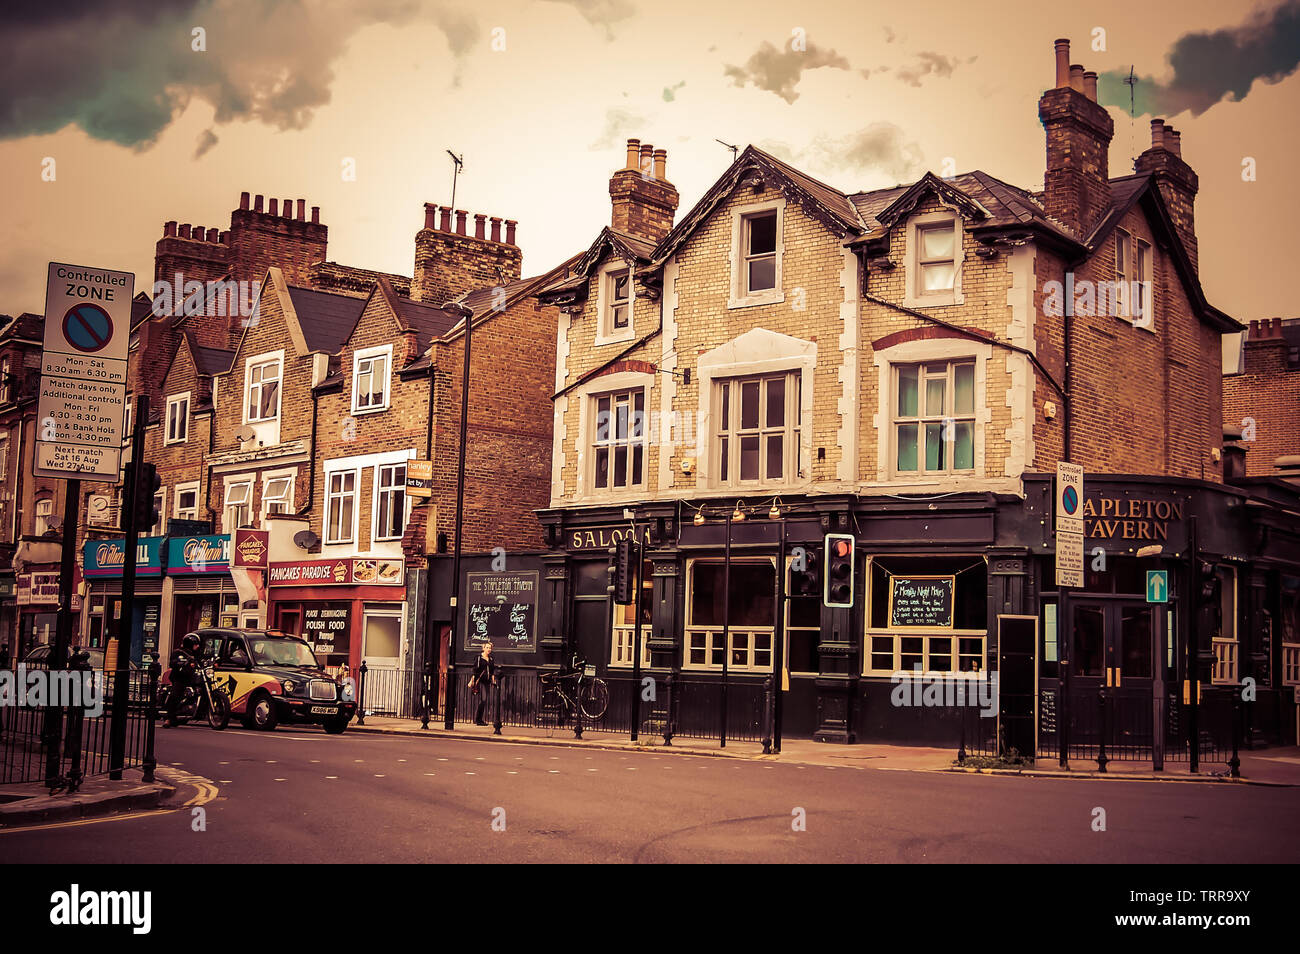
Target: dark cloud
[
  {"x": 207, "y": 140},
  {"x": 1210, "y": 67},
  {"x": 878, "y": 149},
  {"x": 122, "y": 71},
  {"x": 779, "y": 71}
]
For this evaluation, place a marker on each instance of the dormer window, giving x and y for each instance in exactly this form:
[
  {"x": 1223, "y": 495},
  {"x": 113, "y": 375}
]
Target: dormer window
[
  {"x": 756, "y": 250},
  {"x": 760, "y": 254},
  {"x": 618, "y": 298},
  {"x": 370, "y": 379},
  {"x": 936, "y": 258}
]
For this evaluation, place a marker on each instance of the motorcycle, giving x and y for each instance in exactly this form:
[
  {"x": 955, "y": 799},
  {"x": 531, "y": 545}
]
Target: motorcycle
[{"x": 204, "y": 701}]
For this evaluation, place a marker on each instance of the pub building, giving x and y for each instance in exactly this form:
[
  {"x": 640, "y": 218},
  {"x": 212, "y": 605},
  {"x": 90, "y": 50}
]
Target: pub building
[
  {"x": 198, "y": 591},
  {"x": 102, "y": 568}
]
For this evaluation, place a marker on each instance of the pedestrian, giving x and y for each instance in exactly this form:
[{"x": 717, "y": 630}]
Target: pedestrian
[{"x": 484, "y": 669}]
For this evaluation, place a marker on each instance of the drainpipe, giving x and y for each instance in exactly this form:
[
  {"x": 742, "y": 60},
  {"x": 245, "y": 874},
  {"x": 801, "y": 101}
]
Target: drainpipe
[{"x": 311, "y": 457}]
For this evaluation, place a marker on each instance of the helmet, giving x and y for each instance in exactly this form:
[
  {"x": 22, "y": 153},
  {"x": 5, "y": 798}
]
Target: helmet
[{"x": 190, "y": 643}]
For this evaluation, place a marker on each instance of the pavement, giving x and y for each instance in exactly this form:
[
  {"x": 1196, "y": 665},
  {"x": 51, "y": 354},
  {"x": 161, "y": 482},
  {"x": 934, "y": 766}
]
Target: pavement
[
  {"x": 1273, "y": 766},
  {"x": 31, "y": 803}
]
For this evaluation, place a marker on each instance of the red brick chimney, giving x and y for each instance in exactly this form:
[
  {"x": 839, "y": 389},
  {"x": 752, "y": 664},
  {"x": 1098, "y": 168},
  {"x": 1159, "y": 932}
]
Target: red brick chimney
[
  {"x": 1175, "y": 179},
  {"x": 1076, "y": 186},
  {"x": 643, "y": 199},
  {"x": 449, "y": 263},
  {"x": 260, "y": 239}
]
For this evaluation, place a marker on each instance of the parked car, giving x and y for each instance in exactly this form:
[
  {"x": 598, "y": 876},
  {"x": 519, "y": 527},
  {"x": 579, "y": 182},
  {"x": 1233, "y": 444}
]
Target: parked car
[
  {"x": 272, "y": 677},
  {"x": 39, "y": 658}
]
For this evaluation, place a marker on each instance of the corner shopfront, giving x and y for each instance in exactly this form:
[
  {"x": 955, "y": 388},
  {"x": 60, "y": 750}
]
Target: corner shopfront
[
  {"x": 199, "y": 591},
  {"x": 988, "y": 560},
  {"x": 349, "y": 609},
  {"x": 104, "y": 561}
]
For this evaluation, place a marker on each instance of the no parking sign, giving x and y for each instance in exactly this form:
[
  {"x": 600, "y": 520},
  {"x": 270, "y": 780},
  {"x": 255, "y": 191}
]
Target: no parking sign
[{"x": 82, "y": 404}]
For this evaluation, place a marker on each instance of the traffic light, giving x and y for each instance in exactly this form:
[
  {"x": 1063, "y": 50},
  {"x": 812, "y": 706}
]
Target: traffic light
[
  {"x": 805, "y": 572},
  {"x": 839, "y": 570},
  {"x": 623, "y": 572},
  {"x": 146, "y": 510}
]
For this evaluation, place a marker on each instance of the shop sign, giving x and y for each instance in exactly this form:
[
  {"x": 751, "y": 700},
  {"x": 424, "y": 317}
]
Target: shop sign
[
  {"x": 419, "y": 478},
  {"x": 208, "y": 554},
  {"x": 1125, "y": 517},
  {"x": 601, "y": 538},
  {"x": 250, "y": 549},
  {"x": 108, "y": 557},
  {"x": 502, "y": 609},
  {"x": 326, "y": 626},
  {"x": 37, "y": 588},
  {"x": 351, "y": 571},
  {"x": 921, "y": 601}
]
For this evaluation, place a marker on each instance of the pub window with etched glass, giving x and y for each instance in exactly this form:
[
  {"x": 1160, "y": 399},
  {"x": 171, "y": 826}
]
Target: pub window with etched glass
[
  {"x": 757, "y": 435},
  {"x": 752, "y": 619},
  {"x": 619, "y": 443},
  {"x": 902, "y": 636},
  {"x": 934, "y": 417},
  {"x": 624, "y": 626}
]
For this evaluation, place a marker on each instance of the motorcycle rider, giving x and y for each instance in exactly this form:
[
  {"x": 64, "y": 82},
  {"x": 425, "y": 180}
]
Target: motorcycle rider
[{"x": 184, "y": 663}]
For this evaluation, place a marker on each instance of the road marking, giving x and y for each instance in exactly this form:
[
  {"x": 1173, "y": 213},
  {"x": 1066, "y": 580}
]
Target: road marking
[
  {"x": 331, "y": 776},
  {"x": 90, "y": 821},
  {"x": 401, "y": 760},
  {"x": 512, "y": 773},
  {"x": 593, "y": 770},
  {"x": 471, "y": 773},
  {"x": 381, "y": 776},
  {"x": 225, "y": 781},
  {"x": 272, "y": 761},
  {"x": 554, "y": 771},
  {"x": 428, "y": 774},
  {"x": 442, "y": 760},
  {"x": 280, "y": 780}
]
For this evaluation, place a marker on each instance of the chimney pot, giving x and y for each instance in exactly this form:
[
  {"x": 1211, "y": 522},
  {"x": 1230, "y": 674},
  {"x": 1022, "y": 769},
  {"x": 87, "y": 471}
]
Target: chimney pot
[
  {"x": 1178, "y": 143},
  {"x": 315, "y": 214},
  {"x": 480, "y": 223},
  {"x": 257, "y": 203},
  {"x": 213, "y": 235},
  {"x": 287, "y": 208},
  {"x": 510, "y": 231},
  {"x": 496, "y": 228},
  {"x": 1062, "y": 63},
  {"x": 224, "y": 237},
  {"x": 446, "y": 219},
  {"x": 273, "y": 208},
  {"x": 661, "y": 163},
  {"x": 1157, "y": 134},
  {"x": 243, "y": 201},
  {"x": 461, "y": 215},
  {"x": 1076, "y": 77},
  {"x": 169, "y": 229},
  {"x": 646, "y": 166},
  {"x": 302, "y": 210},
  {"x": 185, "y": 230},
  {"x": 633, "y": 153},
  {"x": 430, "y": 215},
  {"x": 1090, "y": 85}
]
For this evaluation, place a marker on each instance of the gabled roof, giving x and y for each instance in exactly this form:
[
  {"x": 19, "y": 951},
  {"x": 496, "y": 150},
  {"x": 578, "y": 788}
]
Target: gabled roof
[
  {"x": 208, "y": 361},
  {"x": 326, "y": 318},
  {"x": 625, "y": 245},
  {"x": 425, "y": 320},
  {"x": 996, "y": 204},
  {"x": 26, "y": 326},
  {"x": 141, "y": 309}
]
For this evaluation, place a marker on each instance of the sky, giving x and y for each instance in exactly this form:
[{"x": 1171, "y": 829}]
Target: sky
[{"x": 118, "y": 115}]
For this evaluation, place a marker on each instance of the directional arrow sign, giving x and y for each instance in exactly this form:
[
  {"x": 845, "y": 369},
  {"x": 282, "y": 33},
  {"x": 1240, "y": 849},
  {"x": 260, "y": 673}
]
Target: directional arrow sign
[{"x": 1157, "y": 586}]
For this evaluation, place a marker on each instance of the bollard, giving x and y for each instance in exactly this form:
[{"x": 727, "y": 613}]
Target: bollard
[
  {"x": 767, "y": 716},
  {"x": 361, "y": 694},
  {"x": 427, "y": 691},
  {"x": 961, "y": 744},
  {"x": 496, "y": 726},
  {"x": 150, "y": 761},
  {"x": 1101, "y": 747},
  {"x": 1235, "y": 761},
  {"x": 671, "y": 713}
]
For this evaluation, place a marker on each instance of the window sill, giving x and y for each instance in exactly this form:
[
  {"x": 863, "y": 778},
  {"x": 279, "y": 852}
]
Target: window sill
[
  {"x": 934, "y": 301},
  {"x": 773, "y": 296},
  {"x": 620, "y": 338},
  {"x": 361, "y": 411},
  {"x": 182, "y": 440}
]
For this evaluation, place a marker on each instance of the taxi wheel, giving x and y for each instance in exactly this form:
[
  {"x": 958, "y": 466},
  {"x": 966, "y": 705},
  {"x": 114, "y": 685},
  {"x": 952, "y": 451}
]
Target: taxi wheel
[
  {"x": 336, "y": 726},
  {"x": 261, "y": 712}
]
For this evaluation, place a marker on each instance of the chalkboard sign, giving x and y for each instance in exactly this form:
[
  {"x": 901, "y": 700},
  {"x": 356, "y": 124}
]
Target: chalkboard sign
[
  {"x": 327, "y": 626},
  {"x": 921, "y": 601},
  {"x": 501, "y": 608},
  {"x": 1047, "y": 711}
]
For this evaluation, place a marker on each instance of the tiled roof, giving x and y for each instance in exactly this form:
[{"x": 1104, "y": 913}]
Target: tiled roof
[
  {"x": 209, "y": 361},
  {"x": 327, "y": 319}
]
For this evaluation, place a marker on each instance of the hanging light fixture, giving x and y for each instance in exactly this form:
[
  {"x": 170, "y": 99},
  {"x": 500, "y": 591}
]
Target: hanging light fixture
[
  {"x": 699, "y": 517},
  {"x": 738, "y": 514},
  {"x": 775, "y": 512}
]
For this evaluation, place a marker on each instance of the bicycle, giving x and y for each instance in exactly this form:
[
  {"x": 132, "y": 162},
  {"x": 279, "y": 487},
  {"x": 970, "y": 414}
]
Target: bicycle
[{"x": 578, "y": 689}]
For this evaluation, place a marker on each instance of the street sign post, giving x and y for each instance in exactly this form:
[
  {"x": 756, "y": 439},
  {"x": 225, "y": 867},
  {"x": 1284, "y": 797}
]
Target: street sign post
[
  {"x": 82, "y": 399},
  {"x": 1069, "y": 524}
]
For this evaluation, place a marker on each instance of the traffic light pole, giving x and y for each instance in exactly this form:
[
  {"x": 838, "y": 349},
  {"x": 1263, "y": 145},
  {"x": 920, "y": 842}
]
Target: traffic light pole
[
  {"x": 62, "y": 630},
  {"x": 779, "y": 648},
  {"x": 639, "y": 556},
  {"x": 726, "y": 632},
  {"x": 122, "y": 673}
]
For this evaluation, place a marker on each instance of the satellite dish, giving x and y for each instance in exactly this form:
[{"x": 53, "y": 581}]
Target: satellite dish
[
  {"x": 245, "y": 433},
  {"x": 305, "y": 539},
  {"x": 54, "y": 521}
]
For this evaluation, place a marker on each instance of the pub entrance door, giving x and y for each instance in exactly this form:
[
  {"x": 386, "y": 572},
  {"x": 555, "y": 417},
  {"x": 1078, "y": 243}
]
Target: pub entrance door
[{"x": 1116, "y": 685}]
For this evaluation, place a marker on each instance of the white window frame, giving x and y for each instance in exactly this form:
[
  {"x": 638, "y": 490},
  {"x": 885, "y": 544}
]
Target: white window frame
[
  {"x": 182, "y": 419},
  {"x": 613, "y": 442},
  {"x": 177, "y": 509},
  {"x": 709, "y": 637},
  {"x": 369, "y": 355},
  {"x": 584, "y": 440},
  {"x": 1225, "y": 644},
  {"x": 925, "y": 633},
  {"x": 43, "y": 510},
  {"x": 914, "y": 297},
  {"x": 230, "y": 483},
  {"x": 4, "y": 379},
  {"x": 257, "y": 361},
  {"x": 740, "y": 295},
  {"x": 377, "y": 493},
  {"x": 288, "y": 499},
  {"x": 922, "y": 419},
  {"x": 623, "y": 633},
  {"x": 160, "y": 503},
  {"x": 789, "y": 625},
  {"x": 606, "y": 333},
  {"x": 792, "y": 433},
  {"x": 330, "y": 503}
]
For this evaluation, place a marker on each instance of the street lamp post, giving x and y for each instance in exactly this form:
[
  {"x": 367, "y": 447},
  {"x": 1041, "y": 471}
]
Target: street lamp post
[{"x": 467, "y": 315}]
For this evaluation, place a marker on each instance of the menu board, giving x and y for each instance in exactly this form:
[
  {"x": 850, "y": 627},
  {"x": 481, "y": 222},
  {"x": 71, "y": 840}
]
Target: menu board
[
  {"x": 921, "y": 601},
  {"x": 502, "y": 609},
  {"x": 326, "y": 626},
  {"x": 1047, "y": 711}
]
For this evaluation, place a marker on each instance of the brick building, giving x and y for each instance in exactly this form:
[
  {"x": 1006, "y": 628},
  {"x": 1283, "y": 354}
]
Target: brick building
[
  {"x": 906, "y": 366},
  {"x": 1261, "y": 395}
]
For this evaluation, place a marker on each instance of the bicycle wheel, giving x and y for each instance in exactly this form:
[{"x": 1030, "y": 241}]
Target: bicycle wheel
[
  {"x": 593, "y": 696},
  {"x": 552, "y": 707}
]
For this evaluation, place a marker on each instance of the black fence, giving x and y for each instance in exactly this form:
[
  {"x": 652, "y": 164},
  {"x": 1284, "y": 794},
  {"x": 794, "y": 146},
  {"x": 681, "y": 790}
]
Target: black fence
[
  {"x": 671, "y": 705},
  {"x": 83, "y": 729}
]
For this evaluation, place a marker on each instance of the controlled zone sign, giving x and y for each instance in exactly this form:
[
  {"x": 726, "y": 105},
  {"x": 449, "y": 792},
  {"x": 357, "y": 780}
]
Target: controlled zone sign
[{"x": 82, "y": 403}]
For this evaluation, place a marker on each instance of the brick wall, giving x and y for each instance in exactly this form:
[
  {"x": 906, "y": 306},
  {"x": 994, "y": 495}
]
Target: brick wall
[
  {"x": 1267, "y": 395},
  {"x": 450, "y": 260}
]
